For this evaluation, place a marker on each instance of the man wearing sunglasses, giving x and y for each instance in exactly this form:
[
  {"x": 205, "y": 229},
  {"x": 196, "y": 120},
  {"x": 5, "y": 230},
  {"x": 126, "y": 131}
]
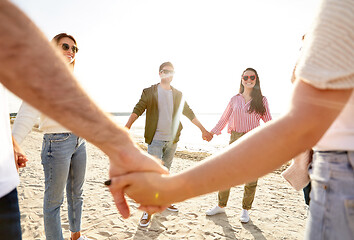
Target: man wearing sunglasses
[
  {"x": 31, "y": 68},
  {"x": 164, "y": 105}
]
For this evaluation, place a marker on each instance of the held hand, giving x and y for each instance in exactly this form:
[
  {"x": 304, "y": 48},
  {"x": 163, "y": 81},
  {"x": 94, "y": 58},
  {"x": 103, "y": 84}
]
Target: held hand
[
  {"x": 20, "y": 157},
  {"x": 207, "y": 136},
  {"x": 151, "y": 190},
  {"x": 20, "y": 160},
  {"x": 127, "y": 160}
]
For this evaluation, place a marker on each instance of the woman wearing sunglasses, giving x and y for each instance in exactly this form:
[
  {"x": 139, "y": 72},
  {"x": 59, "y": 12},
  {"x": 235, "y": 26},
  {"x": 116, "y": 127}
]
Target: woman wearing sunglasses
[
  {"x": 63, "y": 157},
  {"x": 243, "y": 113}
]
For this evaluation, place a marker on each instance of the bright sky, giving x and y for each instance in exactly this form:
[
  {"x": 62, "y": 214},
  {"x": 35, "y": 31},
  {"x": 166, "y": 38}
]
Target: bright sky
[{"x": 122, "y": 44}]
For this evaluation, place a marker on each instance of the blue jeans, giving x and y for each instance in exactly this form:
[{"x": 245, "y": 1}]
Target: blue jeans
[
  {"x": 331, "y": 213},
  {"x": 10, "y": 225},
  {"x": 164, "y": 150},
  {"x": 64, "y": 164}
]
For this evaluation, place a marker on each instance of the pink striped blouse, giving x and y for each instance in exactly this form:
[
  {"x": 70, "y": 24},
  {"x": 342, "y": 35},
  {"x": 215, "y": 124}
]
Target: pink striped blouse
[{"x": 238, "y": 118}]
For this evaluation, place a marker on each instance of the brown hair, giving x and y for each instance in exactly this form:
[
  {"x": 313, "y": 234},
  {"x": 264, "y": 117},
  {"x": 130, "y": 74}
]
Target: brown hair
[
  {"x": 256, "y": 94},
  {"x": 59, "y": 36},
  {"x": 164, "y": 65}
]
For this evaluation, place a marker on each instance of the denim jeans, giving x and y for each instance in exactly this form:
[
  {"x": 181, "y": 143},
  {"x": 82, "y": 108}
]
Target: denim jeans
[
  {"x": 64, "y": 164},
  {"x": 331, "y": 213},
  {"x": 164, "y": 150},
  {"x": 10, "y": 225}
]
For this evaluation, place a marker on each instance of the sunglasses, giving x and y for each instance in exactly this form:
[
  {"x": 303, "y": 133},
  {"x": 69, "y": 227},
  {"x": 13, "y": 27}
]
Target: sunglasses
[
  {"x": 252, "y": 77},
  {"x": 164, "y": 71},
  {"x": 66, "y": 47}
]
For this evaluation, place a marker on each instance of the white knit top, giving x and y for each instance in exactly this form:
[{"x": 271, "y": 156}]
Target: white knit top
[
  {"x": 328, "y": 63},
  {"x": 27, "y": 117}
]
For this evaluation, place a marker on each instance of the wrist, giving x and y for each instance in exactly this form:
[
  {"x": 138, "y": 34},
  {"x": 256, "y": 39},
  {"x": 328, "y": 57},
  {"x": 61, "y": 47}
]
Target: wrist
[
  {"x": 112, "y": 139},
  {"x": 175, "y": 189}
]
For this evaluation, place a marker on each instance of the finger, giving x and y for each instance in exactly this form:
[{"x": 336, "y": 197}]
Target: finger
[
  {"x": 121, "y": 203},
  {"x": 120, "y": 182},
  {"x": 116, "y": 186}
]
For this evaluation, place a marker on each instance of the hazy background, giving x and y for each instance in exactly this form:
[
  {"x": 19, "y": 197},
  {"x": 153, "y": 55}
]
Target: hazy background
[{"x": 122, "y": 43}]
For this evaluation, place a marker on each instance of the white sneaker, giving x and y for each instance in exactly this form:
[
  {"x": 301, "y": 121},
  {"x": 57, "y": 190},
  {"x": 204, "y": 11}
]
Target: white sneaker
[
  {"x": 244, "y": 216},
  {"x": 172, "y": 208},
  {"x": 145, "y": 220},
  {"x": 215, "y": 210}
]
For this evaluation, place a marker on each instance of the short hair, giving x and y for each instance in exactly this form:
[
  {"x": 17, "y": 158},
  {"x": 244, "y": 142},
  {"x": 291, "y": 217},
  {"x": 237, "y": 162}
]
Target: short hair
[{"x": 164, "y": 65}]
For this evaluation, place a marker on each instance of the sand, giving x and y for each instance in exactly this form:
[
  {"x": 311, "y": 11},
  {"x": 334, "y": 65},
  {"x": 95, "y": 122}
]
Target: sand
[{"x": 279, "y": 212}]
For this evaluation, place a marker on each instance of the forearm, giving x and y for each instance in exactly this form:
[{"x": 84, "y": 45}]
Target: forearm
[
  {"x": 28, "y": 62},
  {"x": 266, "y": 148},
  {"x": 133, "y": 117},
  {"x": 232, "y": 167},
  {"x": 196, "y": 122}
]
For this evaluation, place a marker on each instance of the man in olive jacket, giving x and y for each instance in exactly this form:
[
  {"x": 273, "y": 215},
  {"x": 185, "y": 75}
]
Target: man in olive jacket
[{"x": 164, "y": 106}]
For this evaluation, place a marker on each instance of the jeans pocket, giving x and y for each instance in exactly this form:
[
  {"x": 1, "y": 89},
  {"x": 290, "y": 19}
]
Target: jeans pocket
[
  {"x": 349, "y": 210},
  {"x": 319, "y": 192},
  {"x": 59, "y": 137}
]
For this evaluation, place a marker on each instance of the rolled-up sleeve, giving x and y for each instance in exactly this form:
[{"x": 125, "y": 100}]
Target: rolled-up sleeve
[
  {"x": 188, "y": 112},
  {"x": 327, "y": 61}
]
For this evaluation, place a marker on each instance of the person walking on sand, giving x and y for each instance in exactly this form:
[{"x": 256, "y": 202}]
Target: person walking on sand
[
  {"x": 163, "y": 104},
  {"x": 242, "y": 114},
  {"x": 63, "y": 158}
]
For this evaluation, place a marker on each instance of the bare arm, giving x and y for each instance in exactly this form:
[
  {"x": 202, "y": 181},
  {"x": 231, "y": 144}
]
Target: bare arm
[
  {"x": 33, "y": 70},
  {"x": 133, "y": 117},
  {"x": 311, "y": 113}
]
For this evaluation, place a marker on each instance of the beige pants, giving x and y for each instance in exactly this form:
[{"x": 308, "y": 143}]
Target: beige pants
[{"x": 249, "y": 188}]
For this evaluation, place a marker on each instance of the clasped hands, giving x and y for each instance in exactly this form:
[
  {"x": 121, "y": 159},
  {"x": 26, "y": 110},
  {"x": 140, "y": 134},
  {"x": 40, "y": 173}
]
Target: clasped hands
[
  {"x": 143, "y": 178},
  {"x": 207, "y": 136}
]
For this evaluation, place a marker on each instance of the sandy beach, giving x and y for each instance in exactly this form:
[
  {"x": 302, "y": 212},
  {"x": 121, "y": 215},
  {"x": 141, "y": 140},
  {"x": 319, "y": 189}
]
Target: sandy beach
[{"x": 279, "y": 212}]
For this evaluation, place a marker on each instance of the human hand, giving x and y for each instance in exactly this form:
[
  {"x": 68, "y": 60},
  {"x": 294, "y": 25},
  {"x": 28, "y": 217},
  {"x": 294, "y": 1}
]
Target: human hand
[
  {"x": 20, "y": 160},
  {"x": 207, "y": 136},
  {"x": 20, "y": 157},
  {"x": 152, "y": 190},
  {"x": 129, "y": 159}
]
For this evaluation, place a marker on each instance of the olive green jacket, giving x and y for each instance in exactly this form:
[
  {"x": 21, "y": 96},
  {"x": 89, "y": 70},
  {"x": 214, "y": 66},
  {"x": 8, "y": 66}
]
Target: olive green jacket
[{"x": 148, "y": 102}]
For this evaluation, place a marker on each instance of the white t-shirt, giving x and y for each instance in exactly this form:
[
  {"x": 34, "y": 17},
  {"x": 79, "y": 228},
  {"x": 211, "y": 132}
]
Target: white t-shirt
[
  {"x": 9, "y": 178},
  {"x": 328, "y": 63},
  {"x": 165, "y": 106}
]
